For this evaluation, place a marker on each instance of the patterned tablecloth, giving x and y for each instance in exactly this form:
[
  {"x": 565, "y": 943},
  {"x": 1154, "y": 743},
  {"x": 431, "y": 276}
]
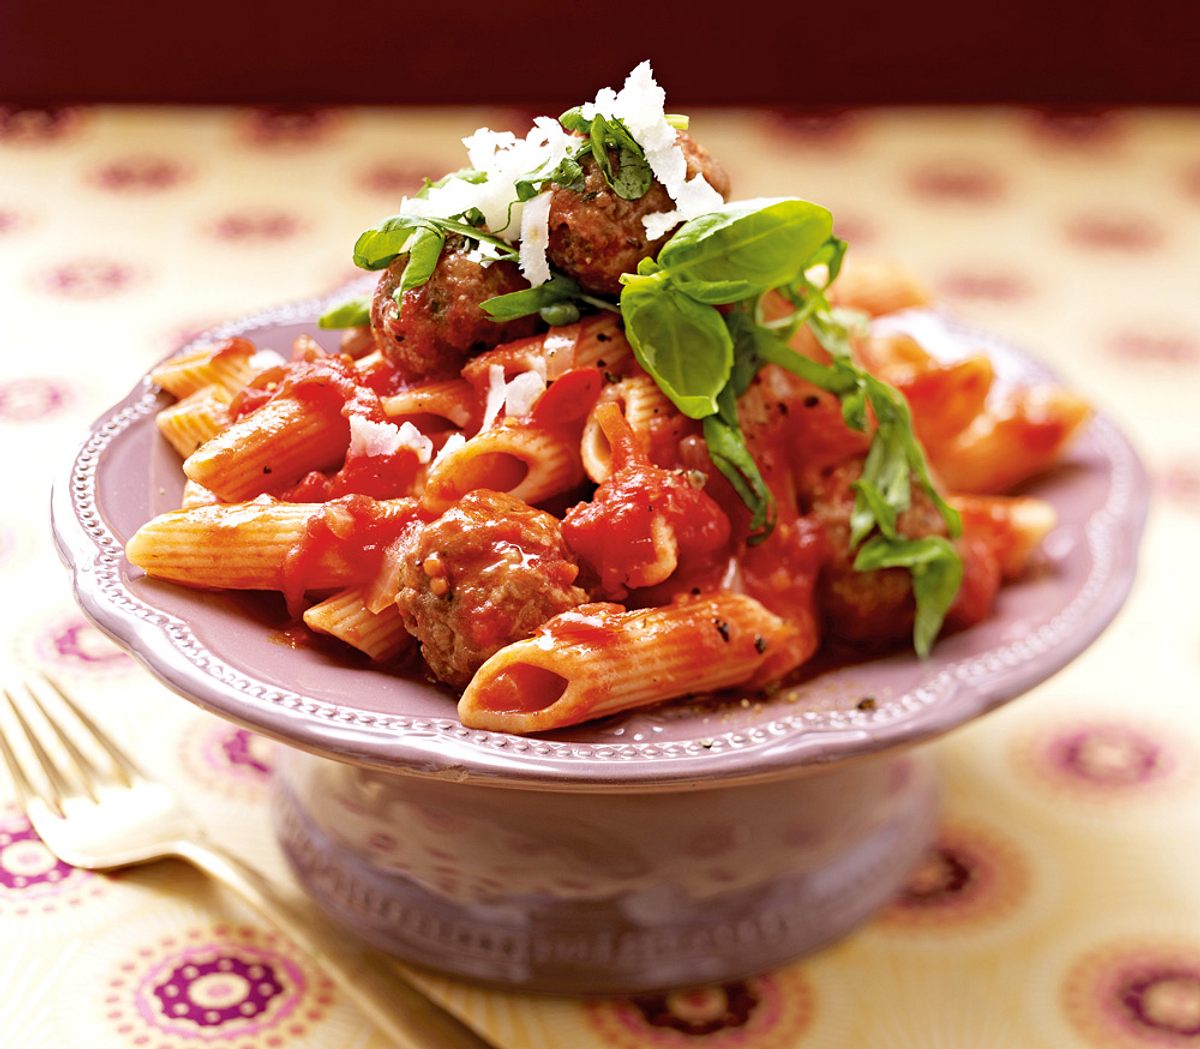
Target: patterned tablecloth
[{"x": 1060, "y": 907}]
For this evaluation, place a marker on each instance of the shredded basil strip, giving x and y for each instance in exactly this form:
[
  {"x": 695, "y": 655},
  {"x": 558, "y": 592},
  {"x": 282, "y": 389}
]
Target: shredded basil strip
[
  {"x": 353, "y": 313},
  {"x": 936, "y": 571}
]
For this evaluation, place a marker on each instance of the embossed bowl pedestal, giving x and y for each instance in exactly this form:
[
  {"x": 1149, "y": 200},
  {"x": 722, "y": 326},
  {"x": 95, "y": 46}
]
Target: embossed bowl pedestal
[
  {"x": 597, "y": 893},
  {"x": 692, "y": 842}
]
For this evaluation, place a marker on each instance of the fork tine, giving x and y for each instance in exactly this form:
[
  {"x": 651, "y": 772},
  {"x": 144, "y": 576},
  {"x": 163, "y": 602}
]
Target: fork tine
[
  {"x": 24, "y": 789},
  {"x": 60, "y": 788},
  {"x": 127, "y": 770},
  {"x": 85, "y": 768}
]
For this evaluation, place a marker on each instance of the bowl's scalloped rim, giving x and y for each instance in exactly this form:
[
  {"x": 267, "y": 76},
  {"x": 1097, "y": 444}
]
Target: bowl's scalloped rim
[{"x": 785, "y": 745}]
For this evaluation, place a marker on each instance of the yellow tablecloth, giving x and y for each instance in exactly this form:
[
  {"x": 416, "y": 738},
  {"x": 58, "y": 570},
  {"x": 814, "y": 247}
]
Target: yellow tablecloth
[{"x": 1061, "y": 907}]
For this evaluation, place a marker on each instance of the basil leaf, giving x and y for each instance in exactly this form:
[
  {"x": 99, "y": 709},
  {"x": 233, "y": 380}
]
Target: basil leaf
[
  {"x": 377, "y": 247},
  {"x": 354, "y": 313},
  {"x": 463, "y": 174},
  {"x": 683, "y": 344},
  {"x": 727, "y": 449},
  {"x": 633, "y": 177},
  {"x": 573, "y": 120},
  {"x": 936, "y": 571},
  {"x": 424, "y": 250},
  {"x": 745, "y": 248},
  {"x": 530, "y": 300}
]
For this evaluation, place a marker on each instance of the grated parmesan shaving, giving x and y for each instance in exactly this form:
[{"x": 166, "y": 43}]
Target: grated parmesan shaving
[
  {"x": 261, "y": 360},
  {"x": 559, "y": 349},
  {"x": 641, "y": 106},
  {"x": 504, "y": 159},
  {"x": 522, "y": 394},
  {"x": 495, "y": 396},
  {"x": 369, "y": 438},
  {"x": 535, "y": 239},
  {"x": 453, "y": 443}
]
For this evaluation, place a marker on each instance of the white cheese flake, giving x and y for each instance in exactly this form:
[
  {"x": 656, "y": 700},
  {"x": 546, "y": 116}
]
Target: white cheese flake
[
  {"x": 453, "y": 443},
  {"x": 369, "y": 438},
  {"x": 495, "y": 396},
  {"x": 535, "y": 239},
  {"x": 522, "y": 394},
  {"x": 261, "y": 360}
]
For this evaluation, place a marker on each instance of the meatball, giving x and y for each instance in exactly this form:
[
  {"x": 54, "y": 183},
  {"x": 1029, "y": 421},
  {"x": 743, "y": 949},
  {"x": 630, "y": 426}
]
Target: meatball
[
  {"x": 488, "y": 572},
  {"x": 595, "y": 235},
  {"x": 877, "y": 608},
  {"x": 441, "y": 324}
]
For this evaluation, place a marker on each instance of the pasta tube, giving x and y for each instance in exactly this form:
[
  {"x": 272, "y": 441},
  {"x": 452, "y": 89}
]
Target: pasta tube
[
  {"x": 526, "y": 461},
  {"x": 381, "y": 635},
  {"x": 262, "y": 545},
  {"x": 600, "y": 659},
  {"x": 230, "y": 365},
  {"x": 270, "y": 449},
  {"x": 197, "y": 418}
]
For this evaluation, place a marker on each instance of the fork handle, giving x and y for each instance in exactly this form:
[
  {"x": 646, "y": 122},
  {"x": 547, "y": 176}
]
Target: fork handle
[{"x": 407, "y": 1017}]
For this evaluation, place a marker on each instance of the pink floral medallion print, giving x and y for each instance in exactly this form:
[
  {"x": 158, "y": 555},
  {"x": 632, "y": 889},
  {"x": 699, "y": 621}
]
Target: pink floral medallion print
[
  {"x": 32, "y": 399},
  {"x": 226, "y": 758},
  {"x": 71, "y": 642},
  {"x": 12, "y": 220},
  {"x": 87, "y": 278},
  {"x": 956, "y": 181},
  {"x": 398, "y": 178},
  {"x": 985, "y": 283},
  {"x": 222, "y": 988},
  {"x": 249, "y": 226},
  {"x": 828, "y": 129},
  {"x": 1155, "y": 346},
  {"x": 1114, "y": 231},
  {"x": 34, "y": 125},
  {"x": 139, "y": 174},
  {"x": 1136, "y": 995},
  {"x": 1179, "y": 482},
  {"x": 766, "y": 1012},
  {"x": 970, "y": 877},
  {"x": 1076, "y": 129},
  {"x": 33, "y": 881},
  {"x": 283, "y": 126},
  {"x": 1103, "y": 760}
]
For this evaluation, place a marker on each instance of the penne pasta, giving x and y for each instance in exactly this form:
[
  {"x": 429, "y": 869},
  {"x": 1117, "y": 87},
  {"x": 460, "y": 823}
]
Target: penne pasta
[
  {"x": 1011, "y": 526},
  {"x": 595, "y": 342},
  {"x": 641, "y": 402},
  {"x": 877, "y": 286},
  {"x": 197, "y": 418},
  {"x": 196, "y": 495},
  {"x": 258, "y": 545},
  {"x": 434, "y": 405},
  {"x": 230, "y": 365},
  {"x": 270, "y": 449},
  {"x": 526, "y": 461},
  {"x": 380, "y": 634},
  {"x": 1024, "y": 434},
  {"x": 600, "y": 659}
]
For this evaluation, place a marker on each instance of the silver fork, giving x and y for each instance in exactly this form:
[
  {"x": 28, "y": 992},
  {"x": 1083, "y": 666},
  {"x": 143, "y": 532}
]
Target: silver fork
[{"x": 94, "y": 808}]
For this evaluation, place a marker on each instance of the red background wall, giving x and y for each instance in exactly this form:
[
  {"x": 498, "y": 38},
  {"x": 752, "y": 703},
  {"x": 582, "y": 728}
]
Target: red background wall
[{"x": 1066, "y": 52}]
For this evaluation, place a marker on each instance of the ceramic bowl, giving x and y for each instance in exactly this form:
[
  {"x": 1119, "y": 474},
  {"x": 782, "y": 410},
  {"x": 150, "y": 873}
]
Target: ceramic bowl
[{"x": 692, "y": 842}]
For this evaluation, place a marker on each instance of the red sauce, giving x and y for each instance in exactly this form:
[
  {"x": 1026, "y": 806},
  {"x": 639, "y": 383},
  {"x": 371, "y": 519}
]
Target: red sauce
[
  {"x": 569, "y": 398},
  {"x": 357, "y": 529},
  {"x": 614, "y": 534},
  {"x": 235, "y": 347}
]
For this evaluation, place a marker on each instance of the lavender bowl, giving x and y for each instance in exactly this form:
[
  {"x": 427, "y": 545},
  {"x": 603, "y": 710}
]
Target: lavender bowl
[{"x": 693, "y": 842}]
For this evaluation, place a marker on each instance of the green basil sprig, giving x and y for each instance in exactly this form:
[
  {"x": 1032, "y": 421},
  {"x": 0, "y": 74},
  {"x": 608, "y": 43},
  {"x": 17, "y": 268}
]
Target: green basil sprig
[
  {"x": 732, "y": 257},
  {"x": 557, "y": 302},
  {"x": 353, "y": 313},
  {"x": 632, "y": 176}
]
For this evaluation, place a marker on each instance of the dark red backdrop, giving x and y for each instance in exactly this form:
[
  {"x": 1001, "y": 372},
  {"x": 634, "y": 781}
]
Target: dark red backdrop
[{"x": 1066, "y": 52}]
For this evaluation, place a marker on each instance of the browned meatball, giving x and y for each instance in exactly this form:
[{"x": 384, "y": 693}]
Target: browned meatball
[
  {"x": 595, "y": 235},
  {"x": 488, "y": 572},
  {"x": 872, "y": 609},
  {"x": 441, "y": 324}
]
